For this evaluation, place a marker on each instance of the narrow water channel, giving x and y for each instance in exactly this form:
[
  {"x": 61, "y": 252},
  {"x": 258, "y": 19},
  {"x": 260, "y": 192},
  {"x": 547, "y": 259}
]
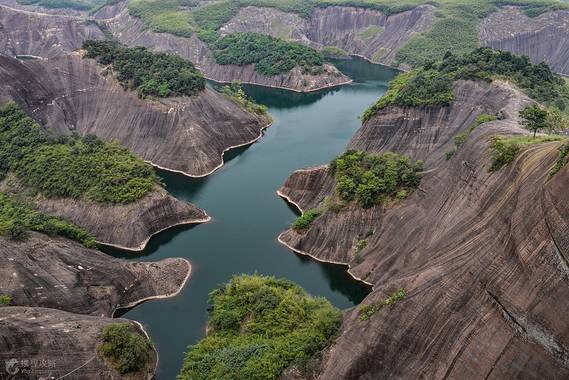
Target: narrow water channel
[{"x": 308, "y": 130}]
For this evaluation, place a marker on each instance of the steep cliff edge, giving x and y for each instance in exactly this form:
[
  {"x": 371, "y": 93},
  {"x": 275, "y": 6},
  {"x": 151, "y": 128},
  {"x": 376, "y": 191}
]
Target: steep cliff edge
[
  {"x": 544, "y": 38},
  {"x": 131, "y": 31},
  {"x": 60, "y": 274},
  {"x": 48, "y": 343},
  {"x": 42, "y": 35},
  {"x": 482, "y": 256},
  {"x": 70, "y": 94},
  {"x": 365, "y": 32}
]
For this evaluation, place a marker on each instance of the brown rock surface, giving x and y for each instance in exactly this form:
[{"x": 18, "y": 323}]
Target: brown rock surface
[
  {"x": 70, "y": 94},
  {"x": 50, "y": 344},
  {"x": 482, "y": 256},
  {"x": 544, "y": 38},
  {"x": 60, "y": 274}
]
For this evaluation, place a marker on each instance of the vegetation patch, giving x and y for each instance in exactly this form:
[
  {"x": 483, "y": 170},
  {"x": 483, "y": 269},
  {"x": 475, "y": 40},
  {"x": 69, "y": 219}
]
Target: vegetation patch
[
  {"x": 505, "y": 149},
  {"x": 371, "y": 179},
  {"x": 334, "y": 52},
  {"x": 271, "y": 56},
  {"x": 367, "y": 311},
  {"x": 235, "y": 92},
  {"x": 165, "y": 16},
  {"x": 78, "y": 5},
  {"x": 461, "y": 138},
  {"x": 432, "y": 84},
  {"x": 258, "y": 326},
  {"x": 17, "y": 218},
  {"x": 303, "y": 222},
  {"x": 5, "y": 300},
  {"x": 127, "y": 350},
  {"x": 562, "y": 160},
  {"x": 70, "y": 166},
  {"x": 149, "y": 73}
]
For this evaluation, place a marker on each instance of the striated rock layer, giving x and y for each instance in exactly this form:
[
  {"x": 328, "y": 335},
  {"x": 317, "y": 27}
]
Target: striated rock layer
[
  {"x": 71, "y": 94},
  {"x": 61, "y": 274},
  {"x": 47, "y": 343},
  {"x": 544, "y": 38},
  {"x": 365, "y": 32},
  {"x": 42, "y": 35},
  {"x": 483, "y": 256}
]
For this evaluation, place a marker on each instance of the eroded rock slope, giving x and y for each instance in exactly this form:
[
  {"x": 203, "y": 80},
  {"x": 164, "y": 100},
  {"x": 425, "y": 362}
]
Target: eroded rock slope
[{"x": 483, "y": 256}]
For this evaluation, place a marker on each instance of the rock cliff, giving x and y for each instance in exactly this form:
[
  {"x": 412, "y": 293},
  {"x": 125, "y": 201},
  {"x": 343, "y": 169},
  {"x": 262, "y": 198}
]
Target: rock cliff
[
  {"x": 70, "y": 94},
  {"x": 482, "y": 256},
  {"x": 60, "y": 274},
  {"x": 42, "y": 35},
  {"x": 365, "y": 32},
  {"x": 131, "y": 31},
  {"x": 46, "y": 343},
  {"x": 544, "y": 38}
]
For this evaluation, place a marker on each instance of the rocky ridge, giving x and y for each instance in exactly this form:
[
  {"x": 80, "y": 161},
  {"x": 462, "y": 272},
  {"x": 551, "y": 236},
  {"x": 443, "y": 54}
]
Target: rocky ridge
[{"x": 482, "y": 256}]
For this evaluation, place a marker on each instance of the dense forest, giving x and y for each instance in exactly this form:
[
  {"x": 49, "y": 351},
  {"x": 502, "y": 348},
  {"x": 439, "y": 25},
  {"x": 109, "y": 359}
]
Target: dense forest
[
  {"x": 149, "y": 73},
  {"x": 270, "y": 55},
  {"x": 70, "y": 166},
  {"x": 432, "y": 83},
  {"x": 258, "y": 326}
]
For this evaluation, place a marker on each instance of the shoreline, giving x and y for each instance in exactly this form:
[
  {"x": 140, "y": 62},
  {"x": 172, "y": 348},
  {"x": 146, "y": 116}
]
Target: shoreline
[
  {"x": 261, "y": 133},
  {"x": 143, "y": 245},
  {"x": 159, "y": 296}
]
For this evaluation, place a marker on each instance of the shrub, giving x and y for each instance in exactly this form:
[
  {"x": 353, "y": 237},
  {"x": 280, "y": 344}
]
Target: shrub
[
  {"x": 128, "y": 351},
  {"x": 504, "y": 150},
  {"x": 270, "y": 55},
  {"x": 304, "y": 221},
  {"x": 561, "y": 160},
  {"x": 366, "y": 311},
  {"x": 16, "y": 219},
  {"x": 70, "y": 166},
  {"x": 258, "y": 326},
  {"x": 5, "y": 300},
  {"x": 461, "y": 138},
  {"x": 370, "y": 179},
  {"x": 235, "y": 91},
  {"x": 149, "y": 73}
]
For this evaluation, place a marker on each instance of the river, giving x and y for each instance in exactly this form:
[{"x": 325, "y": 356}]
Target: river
[{"x": 308, "y": 130}]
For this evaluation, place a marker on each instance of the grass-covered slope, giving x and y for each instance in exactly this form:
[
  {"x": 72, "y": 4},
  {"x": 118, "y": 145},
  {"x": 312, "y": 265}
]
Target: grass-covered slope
[
  {"x": 70, "y": 166},
  {"x": 149, "y": 73},
  {"x": 259, "y": 326},
  {"x": 432, "y": 83}
]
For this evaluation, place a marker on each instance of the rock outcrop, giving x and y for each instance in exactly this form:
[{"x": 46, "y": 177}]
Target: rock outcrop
[
  {"x": 483, "y": 256},
  {"x": 544, "y": 38},
  {"x": 42, "y": 343},
  {"x": 42, "y": 35},
  {"x": 364, "y": 32},
  {"x": 70, "y": 94},
  {"x": 132, "y": 31},
  {"x": 60, "y": 274}
]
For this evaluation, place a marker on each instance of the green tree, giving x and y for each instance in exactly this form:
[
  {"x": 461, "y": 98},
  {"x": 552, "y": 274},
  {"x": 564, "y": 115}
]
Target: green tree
[{"x": 534, "y": 118}]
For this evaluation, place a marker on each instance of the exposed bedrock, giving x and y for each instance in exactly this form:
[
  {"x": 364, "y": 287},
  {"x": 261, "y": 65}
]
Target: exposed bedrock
[
  {"x": 48, "y": 343},
  {"x": 131, "y": 31},
  {"x": 71, "y": 94},
  {"x": 483, "y": 256},
  {"x": 42, "y": 35},
  {"x": 365, "y": 32},
  {"x": 60, "y": 274},
  {"x": 544, "y": 38}
]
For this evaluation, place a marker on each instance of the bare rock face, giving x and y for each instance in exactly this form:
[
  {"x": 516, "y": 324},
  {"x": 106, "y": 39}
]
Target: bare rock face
[
  {"x": 132, "y": 31},
  {"x": 365, "y": 32},
  {"x": 47, "y": 343},
  {"x": 60, "y": 274},
  {"x": 71, "y": 94},
  {"x": 42, "y": 35},
  {"x": 482, "y": 256},
  {"x": 544, "y": 38}
]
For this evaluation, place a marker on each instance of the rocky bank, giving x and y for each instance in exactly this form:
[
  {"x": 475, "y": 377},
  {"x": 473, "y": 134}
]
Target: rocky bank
[{"x": 483, "y": 256}]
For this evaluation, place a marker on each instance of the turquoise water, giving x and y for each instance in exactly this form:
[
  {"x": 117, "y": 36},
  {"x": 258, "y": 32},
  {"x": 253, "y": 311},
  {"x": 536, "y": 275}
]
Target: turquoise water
[{"x": 308, "y": 130}]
